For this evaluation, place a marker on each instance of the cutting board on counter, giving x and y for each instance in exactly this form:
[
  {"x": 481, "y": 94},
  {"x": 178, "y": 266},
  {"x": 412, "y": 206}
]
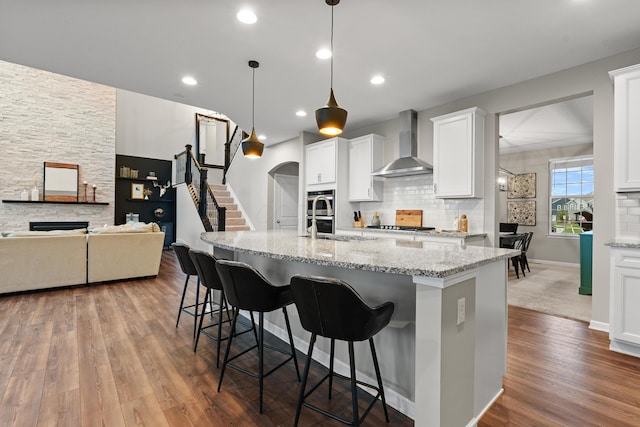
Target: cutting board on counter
[{"x": 409, "y": 217}]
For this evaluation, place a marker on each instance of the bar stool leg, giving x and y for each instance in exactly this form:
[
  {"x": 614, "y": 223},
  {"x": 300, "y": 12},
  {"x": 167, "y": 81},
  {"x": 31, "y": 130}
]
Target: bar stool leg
[
  {"x": 379, "y": 378},
  {"x": 204, "y": 306},
  {"x": 260, "y": 354},
  {"x": 195, "y": 318},
  {"x": 305, "y": 376},
  {"x": 354, "y": 386},
  {"x": 236, "y": 311},
  {"x": 332, "y": 352},
  {"x": 293, "y": 348},
  {"x": 219, "y": 327},
  {"x": 184, "y": 292}
]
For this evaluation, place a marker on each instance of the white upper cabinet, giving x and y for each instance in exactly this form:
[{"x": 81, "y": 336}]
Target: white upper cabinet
[
  {"x": 627, "y": 128},
  {"x": 458, "y": 154},
  {"x": 321, "y": 159},
  {"x": 366, "y": 154}
]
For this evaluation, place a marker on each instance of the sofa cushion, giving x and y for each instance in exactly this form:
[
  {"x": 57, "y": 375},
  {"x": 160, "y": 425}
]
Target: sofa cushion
[
  {"x": 46, "y": 233},
  {"x": 131, "y": 227}
]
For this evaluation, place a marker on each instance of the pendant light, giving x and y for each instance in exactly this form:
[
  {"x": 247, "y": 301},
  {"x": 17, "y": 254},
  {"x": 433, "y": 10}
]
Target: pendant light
[
  {"x": 331, "y": 118},
  {"x": 252, "y": 147}
]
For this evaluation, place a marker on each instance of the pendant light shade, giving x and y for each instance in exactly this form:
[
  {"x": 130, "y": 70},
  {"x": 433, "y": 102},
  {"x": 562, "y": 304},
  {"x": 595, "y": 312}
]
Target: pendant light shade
[
  {"x": 252, "y": 147},
  {"x": 331, "y": 118}
]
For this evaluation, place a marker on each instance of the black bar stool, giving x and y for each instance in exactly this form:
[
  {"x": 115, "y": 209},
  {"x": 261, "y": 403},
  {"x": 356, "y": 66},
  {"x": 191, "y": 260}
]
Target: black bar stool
[
  {"x": 247, "y": 289},
  {"x": 205, "y": 265},
  {"x": 187, "y": 267},
  {"x": 333, "y": 309}
]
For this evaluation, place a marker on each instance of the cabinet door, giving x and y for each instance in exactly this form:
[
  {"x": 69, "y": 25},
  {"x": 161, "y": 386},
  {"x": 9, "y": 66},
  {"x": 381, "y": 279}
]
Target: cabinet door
[
  {"x": 458, "y": 154},
  {"x": 320, "y": 161},
  {"x": 365, "y": 155},
  {"x": 625, "y": 318},
  {"x": 627, "y": 128}
]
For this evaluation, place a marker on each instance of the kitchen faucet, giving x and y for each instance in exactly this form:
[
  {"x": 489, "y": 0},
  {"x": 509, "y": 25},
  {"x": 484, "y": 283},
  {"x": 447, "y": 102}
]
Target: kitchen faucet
[{"x": 314, "y": 228}]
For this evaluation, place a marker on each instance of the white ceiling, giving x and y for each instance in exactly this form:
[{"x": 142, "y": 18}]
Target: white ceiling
[
  {"x": 555, "y": 125},
  {"x": 429, "y": 51}
]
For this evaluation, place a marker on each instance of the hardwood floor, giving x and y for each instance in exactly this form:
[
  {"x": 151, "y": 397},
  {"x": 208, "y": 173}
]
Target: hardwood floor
[
  {"x": 561, "y": 373},
  {"x": 110, "y": 355}
]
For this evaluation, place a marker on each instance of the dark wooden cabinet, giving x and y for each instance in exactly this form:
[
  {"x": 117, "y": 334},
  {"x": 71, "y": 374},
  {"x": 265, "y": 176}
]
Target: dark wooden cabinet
[{"x": 141, "y": 194}]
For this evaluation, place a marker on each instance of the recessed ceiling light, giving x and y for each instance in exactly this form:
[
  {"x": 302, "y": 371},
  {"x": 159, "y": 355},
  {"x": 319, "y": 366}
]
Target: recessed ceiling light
[
  {"x": 323, "y": 54},
  {"x": 247, "y": 17},
  {"x": 376, "y": 80},
  {"x": 301, "y": 113},
  {"x": 262, "y": 137},
  {"x": 188, "y": 80}
]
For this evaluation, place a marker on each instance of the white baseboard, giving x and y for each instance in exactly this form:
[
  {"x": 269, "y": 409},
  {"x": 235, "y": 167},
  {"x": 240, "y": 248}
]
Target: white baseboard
[
  {"x": 394, "y": 399},
  {"x": 546, "y": 261},
  {"x": 599, "y": 326}
]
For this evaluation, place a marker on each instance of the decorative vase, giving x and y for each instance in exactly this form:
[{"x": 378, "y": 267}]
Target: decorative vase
[{"x": 35, "y": 194}]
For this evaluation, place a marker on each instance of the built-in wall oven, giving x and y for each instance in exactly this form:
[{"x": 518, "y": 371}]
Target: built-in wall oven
[{"x": 324, "y": 222}]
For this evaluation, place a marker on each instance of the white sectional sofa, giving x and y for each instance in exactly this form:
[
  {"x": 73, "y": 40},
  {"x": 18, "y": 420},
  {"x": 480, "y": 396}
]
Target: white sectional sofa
[{"x": 41, "y": 260}]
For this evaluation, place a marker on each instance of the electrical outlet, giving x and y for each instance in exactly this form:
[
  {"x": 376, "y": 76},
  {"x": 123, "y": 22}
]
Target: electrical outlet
[{"x": 461, "y": 311}]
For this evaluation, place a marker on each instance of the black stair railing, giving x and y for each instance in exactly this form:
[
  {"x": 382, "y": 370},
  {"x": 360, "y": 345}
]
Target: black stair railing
[{"x": 191, "y": 173}]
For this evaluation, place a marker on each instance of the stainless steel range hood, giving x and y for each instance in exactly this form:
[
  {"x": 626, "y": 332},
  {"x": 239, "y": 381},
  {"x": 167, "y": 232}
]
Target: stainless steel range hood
[{"x": 408, "y": 163}]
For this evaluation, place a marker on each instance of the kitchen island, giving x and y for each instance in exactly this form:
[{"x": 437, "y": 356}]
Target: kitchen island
[{"x": 444, "y": 353}]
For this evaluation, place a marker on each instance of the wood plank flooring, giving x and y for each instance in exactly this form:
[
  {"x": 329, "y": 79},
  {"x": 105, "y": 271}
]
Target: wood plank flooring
[{"x": 110, "y": 355}]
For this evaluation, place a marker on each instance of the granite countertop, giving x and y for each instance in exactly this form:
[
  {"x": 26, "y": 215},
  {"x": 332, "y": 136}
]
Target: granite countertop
[
  {"x": 380, "y": 255},
  {"x": 434, "y": 233},
  {"x": 626, "y": 242}
]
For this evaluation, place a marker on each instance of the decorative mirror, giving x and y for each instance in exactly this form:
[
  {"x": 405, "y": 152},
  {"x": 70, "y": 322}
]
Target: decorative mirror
[{"x": 60, "y": 182}]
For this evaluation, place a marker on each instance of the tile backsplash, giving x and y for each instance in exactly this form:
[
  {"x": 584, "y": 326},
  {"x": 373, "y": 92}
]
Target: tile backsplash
[
  {"x": 416, "y": 192},
  {"x": 628, "y": 215}
]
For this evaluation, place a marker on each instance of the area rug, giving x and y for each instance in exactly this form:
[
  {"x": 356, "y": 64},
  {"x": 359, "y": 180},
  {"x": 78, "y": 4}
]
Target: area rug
[{"x": 550, "y": 289}]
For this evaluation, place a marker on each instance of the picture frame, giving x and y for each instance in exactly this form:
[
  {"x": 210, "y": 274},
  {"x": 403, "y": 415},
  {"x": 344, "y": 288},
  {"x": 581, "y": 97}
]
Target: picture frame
[
  {"x": 522, "y": 212},
  {"x": 60, "y": 182},
  {"x": 137, "y": 191},
  {"x": 521, "y": 186}
]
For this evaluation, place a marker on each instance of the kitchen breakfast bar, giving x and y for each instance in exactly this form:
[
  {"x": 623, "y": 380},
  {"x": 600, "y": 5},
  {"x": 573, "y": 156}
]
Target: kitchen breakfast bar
[{"x": 443, "y": 355}]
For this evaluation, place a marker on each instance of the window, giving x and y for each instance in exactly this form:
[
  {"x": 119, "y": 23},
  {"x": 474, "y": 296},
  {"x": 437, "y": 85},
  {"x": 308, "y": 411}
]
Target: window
[{"x": 571, "y": 195}]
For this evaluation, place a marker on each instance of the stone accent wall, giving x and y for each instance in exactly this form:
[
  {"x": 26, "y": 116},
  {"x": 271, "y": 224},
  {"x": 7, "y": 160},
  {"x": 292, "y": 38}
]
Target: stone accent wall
[{"x": 50, "y": 117}]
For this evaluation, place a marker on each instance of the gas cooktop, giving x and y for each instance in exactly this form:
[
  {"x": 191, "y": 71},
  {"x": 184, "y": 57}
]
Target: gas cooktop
[{"x": 400, "y": 227}]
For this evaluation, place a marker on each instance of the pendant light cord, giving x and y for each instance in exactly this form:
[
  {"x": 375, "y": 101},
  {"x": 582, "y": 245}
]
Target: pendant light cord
[
  {"x": 253, "y": 100},
  {"x": 331, "y": 47}
]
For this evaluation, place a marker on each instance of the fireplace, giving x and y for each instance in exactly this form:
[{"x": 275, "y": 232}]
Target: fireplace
[{"x": 57, "y": 225}]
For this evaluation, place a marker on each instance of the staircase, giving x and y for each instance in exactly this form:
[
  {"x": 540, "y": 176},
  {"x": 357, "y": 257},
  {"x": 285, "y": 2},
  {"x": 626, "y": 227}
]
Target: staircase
[{"x": 234, "y": 220}]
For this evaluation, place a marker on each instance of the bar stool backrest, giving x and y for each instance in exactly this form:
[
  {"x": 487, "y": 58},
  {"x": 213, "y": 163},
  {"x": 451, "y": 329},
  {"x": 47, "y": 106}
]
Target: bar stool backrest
[
  {"x": 205, "y": 265},
  {"x": 182, "y": 253},
  {"x": 247, "y": 289},
  {"x": 333, "y": 309}
]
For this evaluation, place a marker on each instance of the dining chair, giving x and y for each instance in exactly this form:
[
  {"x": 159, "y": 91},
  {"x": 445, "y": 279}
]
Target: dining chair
[{"x": 509, "y": 227}]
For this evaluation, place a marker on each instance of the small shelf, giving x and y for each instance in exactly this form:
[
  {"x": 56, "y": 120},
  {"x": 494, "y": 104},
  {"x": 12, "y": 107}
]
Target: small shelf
[
  {"x": 149, "y": 201},
  {"x": 58, "y": 203},
  {"x": 124, "y": 178}
]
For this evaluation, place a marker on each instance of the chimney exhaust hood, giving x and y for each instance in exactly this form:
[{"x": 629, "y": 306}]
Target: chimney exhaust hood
[{"x": 407, "y": 164}]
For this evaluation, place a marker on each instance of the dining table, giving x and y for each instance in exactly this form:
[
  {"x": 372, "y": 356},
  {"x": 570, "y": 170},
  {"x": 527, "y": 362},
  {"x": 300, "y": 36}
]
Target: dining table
[{"x": 508, "y": 240}]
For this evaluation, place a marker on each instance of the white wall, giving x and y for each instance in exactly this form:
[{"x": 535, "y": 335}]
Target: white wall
[
  {"x": 54, "y": 118},
  {"x": 249, "y": 179},
  {"x": 543, "y": 247}
]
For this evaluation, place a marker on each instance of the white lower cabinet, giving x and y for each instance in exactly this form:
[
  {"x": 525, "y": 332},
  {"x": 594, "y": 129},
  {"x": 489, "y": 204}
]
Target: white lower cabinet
[{"x": 624, "y": 316}]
